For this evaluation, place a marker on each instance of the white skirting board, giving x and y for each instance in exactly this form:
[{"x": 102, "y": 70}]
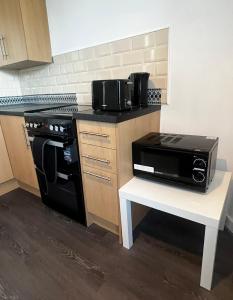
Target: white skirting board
[{"x": 229, "y": 223}]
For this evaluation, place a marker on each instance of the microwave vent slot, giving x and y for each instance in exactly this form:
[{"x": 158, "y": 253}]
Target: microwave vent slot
[
  {"x": 167, "y": 139},
  {"x": 172, "y": 139}
]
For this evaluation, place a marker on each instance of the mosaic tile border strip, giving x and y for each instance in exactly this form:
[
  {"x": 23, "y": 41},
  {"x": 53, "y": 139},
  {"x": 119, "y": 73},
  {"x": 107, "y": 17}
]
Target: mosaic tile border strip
[
  {"x": 39, "y": 99},
  {"x": 154, "y": 96}
]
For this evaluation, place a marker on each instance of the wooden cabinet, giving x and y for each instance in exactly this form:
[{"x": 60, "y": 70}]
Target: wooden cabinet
[
  {"x": 19, "y": 150},
  {"x": 5, "y": 166},
  {"x": 98, "y": 134},
  {"x": 101, "y": 194},
  {"x": 106, "y": 163},
  {"x": 98, "y": 157},
  {"x": 24, "y": 34}
]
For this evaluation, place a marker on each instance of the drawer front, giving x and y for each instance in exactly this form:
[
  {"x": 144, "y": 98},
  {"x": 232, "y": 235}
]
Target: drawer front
[
  {"x": 101, "y": 194},
  {"x": 98, "y": 157},
  {"x": 97, "y": 133}
]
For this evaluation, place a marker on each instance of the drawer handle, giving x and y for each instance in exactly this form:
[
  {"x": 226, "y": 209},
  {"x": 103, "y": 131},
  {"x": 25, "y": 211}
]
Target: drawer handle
[
  {"x": 4, "y": 46},
  {"x": 98, "y": 176},
  {"x": 105, "y": 161},
  {"x": 94, "y": 133}
]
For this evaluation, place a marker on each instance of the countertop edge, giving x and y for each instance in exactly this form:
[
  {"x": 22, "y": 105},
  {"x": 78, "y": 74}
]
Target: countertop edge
[{"x": 125, "y": 116}]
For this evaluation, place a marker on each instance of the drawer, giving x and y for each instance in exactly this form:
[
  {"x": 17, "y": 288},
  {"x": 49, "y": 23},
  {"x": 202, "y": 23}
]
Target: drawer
[
  {"x": 98, "y": 157},
  {"x": 97, "y": 133},
  {"x": 101, "y": 194}
]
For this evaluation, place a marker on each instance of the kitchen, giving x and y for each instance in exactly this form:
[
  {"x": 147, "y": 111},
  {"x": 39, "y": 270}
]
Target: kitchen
[{"x": 33, "y": 79}]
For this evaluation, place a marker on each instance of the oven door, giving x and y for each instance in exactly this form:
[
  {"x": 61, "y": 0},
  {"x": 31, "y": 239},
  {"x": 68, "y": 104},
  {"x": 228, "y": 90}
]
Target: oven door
[
  {"x": 60, "y": 180},
  {"x": 165, "y": 165}
]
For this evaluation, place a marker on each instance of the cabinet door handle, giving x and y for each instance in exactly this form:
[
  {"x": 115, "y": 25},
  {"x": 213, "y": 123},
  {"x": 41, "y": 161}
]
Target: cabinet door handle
[
  {"x": 95, "y": 133},
  {"x": 1, "y": 46},
  {"x": 27, "y": 142},
  {"x": 98, "y": 176},
  {"x": 105, "y": 161},
  {"x": 4, "y": 46}
]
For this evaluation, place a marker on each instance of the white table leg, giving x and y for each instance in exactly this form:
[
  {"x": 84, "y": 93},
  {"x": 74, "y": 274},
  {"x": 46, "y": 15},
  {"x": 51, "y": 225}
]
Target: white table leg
[
  {"x": 126, "y": 223},
  {"x": 207, "y": 269}
]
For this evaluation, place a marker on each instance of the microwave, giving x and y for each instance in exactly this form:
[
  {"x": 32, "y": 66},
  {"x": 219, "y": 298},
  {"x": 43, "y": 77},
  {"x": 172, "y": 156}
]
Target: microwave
[{"x": 177, "y": 159}]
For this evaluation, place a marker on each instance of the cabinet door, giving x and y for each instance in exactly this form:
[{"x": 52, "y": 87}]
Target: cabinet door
[
  {"x": 101, "y": 194},
  {"x": 18, "y": 149},
  {"x": 5, "y": 167},
  {"x": 13, "y": 44}
]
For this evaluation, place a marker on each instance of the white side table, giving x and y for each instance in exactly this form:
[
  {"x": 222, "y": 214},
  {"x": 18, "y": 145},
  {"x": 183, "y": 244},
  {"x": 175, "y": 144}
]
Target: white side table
[{"x": 208, "y": 209}]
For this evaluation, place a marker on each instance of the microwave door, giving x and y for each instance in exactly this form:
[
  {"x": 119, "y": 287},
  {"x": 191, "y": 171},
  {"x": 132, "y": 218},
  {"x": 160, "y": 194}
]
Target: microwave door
[{"x": 168, "y": 164}]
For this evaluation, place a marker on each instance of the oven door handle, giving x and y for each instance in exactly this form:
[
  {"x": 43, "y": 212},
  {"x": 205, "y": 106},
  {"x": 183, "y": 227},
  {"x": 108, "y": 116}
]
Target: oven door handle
[{"x": 50, "y": 143}]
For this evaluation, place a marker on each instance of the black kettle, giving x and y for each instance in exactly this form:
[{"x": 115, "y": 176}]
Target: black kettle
[{"x": 140, "y": 86}]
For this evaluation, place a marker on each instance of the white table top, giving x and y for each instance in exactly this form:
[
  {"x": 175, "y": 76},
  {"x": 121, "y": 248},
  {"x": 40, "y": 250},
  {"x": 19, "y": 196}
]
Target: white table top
[{"x": 204, "y": 208}]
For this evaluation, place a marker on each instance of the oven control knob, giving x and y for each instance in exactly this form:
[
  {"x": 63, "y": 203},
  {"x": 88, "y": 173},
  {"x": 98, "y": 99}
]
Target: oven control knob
[
  {"x": 37, "y": 125},
  {"x": 62, "y": 129},
  {"x": 51, "y": 127},
  {"x": 198, "y": 176},
  {"x": 199, "y": 163}
]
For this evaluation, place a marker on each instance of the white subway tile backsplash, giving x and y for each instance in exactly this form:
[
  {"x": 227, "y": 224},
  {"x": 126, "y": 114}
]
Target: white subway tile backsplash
[
  {"x": 66, "y": 68},
  {"x": 84, "y": 88},
  {"x": 103, "y": 74},
  {"x": 159, "y": 82},
  {"x": 62, "y": 80},
  {"x": 144, "y": 41},
  {"x": 161, "y": 68},
  {"x": 156, "y": 54},
  {"x": 74, "y": 71},
  {"x": 161, "y": 37},
  {"x": 121, "y": 45},
  {"x": 54, "y": 69},
  {"x": 121, "y": 73},
  {"x": 132, "y": 58},
  {"x": 94, "y": 65},
  {"x": 102, "y": 50},
  {"x": 73, "y": 78},
  {"x": 111, "y": 61},
  {"x": 80, "y": 66},
  {"x": 87, "y": 53}
]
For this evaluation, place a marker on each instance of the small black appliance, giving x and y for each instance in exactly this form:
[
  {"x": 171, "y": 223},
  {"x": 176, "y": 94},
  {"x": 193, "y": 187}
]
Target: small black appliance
[
  {"x": 112, "y": 95},
  {"x": 120, "y": 94},
  {"x": 185, "y": 160},
  {"x": 140, "y": 86}
]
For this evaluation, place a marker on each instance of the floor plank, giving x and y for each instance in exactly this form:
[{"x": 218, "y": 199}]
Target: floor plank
[{"x": 45, "y": 255}]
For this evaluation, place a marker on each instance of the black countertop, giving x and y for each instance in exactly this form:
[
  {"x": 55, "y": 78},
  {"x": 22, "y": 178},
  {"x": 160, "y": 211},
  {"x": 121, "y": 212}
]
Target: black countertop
[
  {"x": 115, "y": 117},
  {"x": 90, "y": 115},
  {"x": 20, "y": 109}
]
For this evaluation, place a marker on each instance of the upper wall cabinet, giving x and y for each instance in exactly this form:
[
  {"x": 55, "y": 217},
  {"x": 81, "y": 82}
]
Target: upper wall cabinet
[{"x": 24, "y": 34}]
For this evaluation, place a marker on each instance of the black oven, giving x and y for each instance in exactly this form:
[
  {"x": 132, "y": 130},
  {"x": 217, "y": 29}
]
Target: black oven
[
  {"x": 56, "y": 157},
  {"x": 185, "y": 160}
]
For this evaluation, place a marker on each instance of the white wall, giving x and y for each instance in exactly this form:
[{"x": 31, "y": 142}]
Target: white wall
[{"x": 201, "y": 54}]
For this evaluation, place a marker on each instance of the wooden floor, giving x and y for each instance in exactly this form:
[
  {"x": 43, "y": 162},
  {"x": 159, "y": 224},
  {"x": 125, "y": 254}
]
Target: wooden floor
[{"x": 44, "y": 255}]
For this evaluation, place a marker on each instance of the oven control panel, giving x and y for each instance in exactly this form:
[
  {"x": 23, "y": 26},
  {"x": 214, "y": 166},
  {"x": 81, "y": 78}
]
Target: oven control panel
[{"x": 46, "y": 126}]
